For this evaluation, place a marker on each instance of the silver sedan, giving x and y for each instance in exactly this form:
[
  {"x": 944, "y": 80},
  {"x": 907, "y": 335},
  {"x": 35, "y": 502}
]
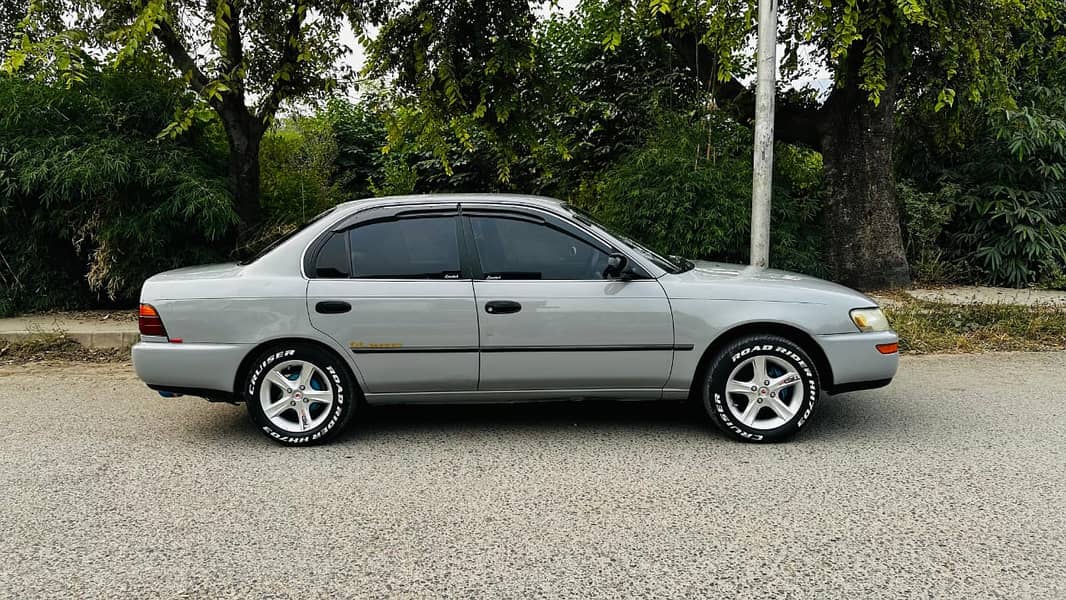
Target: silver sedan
[{"x": 490, "y": 298}]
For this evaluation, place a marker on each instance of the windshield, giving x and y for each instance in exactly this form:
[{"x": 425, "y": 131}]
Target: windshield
[
  {"x": 285, "y": 236},
  {"x": 674, "y": 264}
]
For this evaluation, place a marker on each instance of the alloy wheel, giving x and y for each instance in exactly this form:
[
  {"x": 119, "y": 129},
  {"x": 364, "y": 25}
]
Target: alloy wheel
[
  {"x": 296, "y": 396},
  {"x": 764, "y": 392}
]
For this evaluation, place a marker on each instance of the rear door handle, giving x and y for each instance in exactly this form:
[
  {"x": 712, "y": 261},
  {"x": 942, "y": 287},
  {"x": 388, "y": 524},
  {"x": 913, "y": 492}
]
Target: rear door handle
[
  {"x": 502, "y": 307},
  {"x": 332, "y": 307}
]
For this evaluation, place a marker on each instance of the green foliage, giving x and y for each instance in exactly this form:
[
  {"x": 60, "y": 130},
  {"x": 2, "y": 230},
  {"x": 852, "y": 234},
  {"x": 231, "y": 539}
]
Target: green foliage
[
  {"x": 997, "y": 174},
  {"x": 614, "y": 96},
  {"x": 874, "y": 40},
  {"x": 688, "y": 192},
  {"x": 1010, "y": 196},
  {"x": 460, "y": 72},
  {"x": 359, "y": 135},
  {"x": 924, "y": 218},
  {"x": 225, "y": 49},
  {"x": 601, "y": 106},
  {"x": 298, "y": 160},
  {"x": 90, "y": 201},
  {"x": 11, "y": 12},
  {"x": 241, "y": 61}
]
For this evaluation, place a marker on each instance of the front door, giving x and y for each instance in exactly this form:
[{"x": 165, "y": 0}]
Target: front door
[
  {"x": 550, "y": 320},
  {"x": 391, "y": 290}
]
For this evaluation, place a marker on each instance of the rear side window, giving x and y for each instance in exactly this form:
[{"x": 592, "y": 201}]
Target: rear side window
[
  {"x": 411, "y": 248},
  {"x": 333, "y": 259}
]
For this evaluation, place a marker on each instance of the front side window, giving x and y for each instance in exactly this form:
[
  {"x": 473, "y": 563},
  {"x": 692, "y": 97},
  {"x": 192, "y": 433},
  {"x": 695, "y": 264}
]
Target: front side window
[
  {"x": 513, "y": 248},
  {"x": 411, "y": 248}
]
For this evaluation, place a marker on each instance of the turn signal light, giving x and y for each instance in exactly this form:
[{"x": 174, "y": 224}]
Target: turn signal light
[
  {"x": 148, "y": 321},
  {"x": 888, "y": 348}
]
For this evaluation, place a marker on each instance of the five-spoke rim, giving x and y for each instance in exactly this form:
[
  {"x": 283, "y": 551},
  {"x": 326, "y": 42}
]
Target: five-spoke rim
[
  {"x": 296, "y": 396},
  {"x": 764, "y": 392}
]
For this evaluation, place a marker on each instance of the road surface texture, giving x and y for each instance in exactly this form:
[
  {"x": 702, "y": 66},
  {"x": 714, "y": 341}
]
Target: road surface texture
[{"x": 951, "y": 483}]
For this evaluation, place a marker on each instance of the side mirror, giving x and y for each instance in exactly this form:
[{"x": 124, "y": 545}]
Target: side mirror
[{"x": 616, "y": 266}]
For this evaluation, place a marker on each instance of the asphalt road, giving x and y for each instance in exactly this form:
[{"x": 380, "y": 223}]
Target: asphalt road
[{"x": 950, "y": 483}]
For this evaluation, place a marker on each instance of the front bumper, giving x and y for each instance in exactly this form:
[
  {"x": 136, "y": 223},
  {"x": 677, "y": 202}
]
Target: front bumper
[
  {"x": 174, "y": 367},
  {"x": 855, "y": 361}
]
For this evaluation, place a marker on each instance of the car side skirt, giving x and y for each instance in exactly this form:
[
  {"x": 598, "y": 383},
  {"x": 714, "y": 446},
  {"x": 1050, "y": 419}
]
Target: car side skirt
[{"x": 519, "y": 396}]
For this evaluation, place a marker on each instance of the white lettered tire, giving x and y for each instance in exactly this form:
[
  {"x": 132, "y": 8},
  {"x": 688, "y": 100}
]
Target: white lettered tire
[
  {"x": 299, "y": 395},
  {"x": 761, "y": 388}
]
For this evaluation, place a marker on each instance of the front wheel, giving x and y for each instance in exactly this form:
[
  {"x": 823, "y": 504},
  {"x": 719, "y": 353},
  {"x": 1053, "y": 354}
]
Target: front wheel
[
  {"x": 761, "y": 388},
  {"x": 299, "y": 395}
]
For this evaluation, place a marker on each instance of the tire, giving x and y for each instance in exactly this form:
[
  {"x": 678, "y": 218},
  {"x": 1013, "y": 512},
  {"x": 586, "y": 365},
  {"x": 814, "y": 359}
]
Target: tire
[
  {"x": 316, "y": 412},
  {"x": 778, "y": 410}
]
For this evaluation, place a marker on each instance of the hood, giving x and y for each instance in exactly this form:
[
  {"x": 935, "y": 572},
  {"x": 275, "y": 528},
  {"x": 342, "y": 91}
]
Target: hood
[
  {"x": 724, "y": 281},
  {"x": 216, "y": 271}
]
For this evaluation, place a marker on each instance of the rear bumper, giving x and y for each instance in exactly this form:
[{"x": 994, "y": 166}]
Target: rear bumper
[
  {"x": 184, "y": 367},
  {"x": 856, "y": 362}
]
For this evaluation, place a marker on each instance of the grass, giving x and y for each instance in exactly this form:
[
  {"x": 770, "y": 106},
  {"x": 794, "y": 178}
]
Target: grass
[{"x": 927, "y": 327}]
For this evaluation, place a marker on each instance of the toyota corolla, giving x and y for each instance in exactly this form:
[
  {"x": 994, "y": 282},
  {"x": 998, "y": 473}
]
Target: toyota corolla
[{"x": 489, "y": 298}]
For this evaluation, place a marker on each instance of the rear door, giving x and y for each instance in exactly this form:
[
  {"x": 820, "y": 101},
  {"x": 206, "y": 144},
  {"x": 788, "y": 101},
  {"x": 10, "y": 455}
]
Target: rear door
[
  {"x": 549, "y": 320},
  {"x": 390, "y": 288}
]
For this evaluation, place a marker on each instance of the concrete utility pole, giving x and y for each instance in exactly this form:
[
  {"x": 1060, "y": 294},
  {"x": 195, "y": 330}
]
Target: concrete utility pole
[{"x": 763, "y": 171}]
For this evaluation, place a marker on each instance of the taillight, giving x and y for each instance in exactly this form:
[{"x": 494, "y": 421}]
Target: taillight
[{"x": 148, "y": 321}]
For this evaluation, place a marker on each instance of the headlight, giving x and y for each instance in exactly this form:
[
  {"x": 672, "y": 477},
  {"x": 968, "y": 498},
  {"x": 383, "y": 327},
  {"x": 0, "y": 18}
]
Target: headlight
[{"x": 869, "y": 319}]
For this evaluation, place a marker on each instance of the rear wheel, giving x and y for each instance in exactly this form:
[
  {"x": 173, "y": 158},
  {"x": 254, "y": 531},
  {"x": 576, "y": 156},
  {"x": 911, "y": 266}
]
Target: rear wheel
[
  {"x": 761, "y": 388},
  {"x": 299, "y": 395}
]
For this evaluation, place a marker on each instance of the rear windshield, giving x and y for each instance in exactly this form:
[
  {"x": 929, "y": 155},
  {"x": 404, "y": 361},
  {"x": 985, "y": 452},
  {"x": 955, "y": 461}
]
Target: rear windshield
[{"x": 285, "y": 236}]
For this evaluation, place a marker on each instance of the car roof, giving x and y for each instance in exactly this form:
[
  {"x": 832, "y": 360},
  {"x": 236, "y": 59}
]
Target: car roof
[{"x": 544, "y": 202}]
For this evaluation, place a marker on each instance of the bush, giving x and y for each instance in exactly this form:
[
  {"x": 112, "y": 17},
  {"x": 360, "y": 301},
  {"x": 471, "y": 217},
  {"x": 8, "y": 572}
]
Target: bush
[
  {"x": 687, "y": 191},
  {"x": 1010, "y": 196},
  {"x": 91, "y": 202},
  {"x": 925, "y": 216},
  {"x": 359, "y": 136}
]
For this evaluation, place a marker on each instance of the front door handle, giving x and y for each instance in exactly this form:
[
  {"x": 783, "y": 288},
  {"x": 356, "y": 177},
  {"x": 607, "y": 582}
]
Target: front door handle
[
  {"x": 332, "y": 307},
  {"x": 502, "y": 307}
]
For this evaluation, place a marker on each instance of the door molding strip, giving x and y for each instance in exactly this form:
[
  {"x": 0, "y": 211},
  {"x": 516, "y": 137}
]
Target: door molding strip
[{"x": 501, "y": 349}]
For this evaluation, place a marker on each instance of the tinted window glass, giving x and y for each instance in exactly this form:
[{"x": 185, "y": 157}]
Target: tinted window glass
[
  {"x": 333, "y": 258},
  {"x": 668, "y": 265},
  {"x": 518, "y": 249},
  {"x": 417, "y": 248}
]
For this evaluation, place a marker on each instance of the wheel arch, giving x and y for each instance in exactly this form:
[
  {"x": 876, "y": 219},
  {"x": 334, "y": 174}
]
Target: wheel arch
[
  {"x": 790, "y": 332},
  {"x": 249, "y": 359}
]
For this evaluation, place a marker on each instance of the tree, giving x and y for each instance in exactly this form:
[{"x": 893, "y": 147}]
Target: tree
[
  {"x": 964, "y": 50},
  {"x": 460, "y": 67},
  {"x": 458, "y": 71},
  {"x": 11, "y": 12},
  {"x": 242, "y": 58}
]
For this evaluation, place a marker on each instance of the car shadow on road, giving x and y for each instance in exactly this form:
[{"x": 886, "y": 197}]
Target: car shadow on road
[
  {"x": 545, "y": 416},
  {"x": 838, "y": 418}
]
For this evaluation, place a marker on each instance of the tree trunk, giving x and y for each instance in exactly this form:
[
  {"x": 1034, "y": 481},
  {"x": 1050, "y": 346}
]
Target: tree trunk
[
  {"x": 244, "y": 171},
  {"x": 245, "y": 133},
  {"x": 862, "y": 217}
]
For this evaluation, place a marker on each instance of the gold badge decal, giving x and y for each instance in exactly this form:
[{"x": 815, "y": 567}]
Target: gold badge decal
[{"x": 358, "y": 344}]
